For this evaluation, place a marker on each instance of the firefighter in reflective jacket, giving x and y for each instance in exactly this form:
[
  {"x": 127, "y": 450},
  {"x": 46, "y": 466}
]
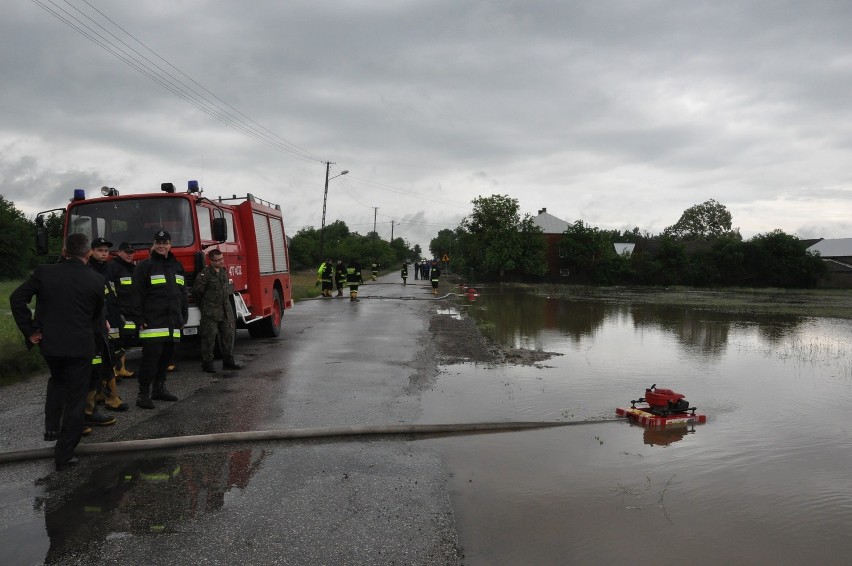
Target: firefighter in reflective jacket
[
  {"x": 325, "y": 276},
  {"x": 160, "y": 312},
  {"x": 434, "y": 275},
  {"x": 119, "y": 272},
  {"x": 340, "y": 277},
  {"x": 353, "y": 279}
]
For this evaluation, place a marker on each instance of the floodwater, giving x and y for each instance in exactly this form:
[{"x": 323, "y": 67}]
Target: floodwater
[{"x": 766, "y": 480}]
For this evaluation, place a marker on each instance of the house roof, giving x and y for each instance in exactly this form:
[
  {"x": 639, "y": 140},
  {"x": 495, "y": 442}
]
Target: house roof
[
  {"x": 836, "y": 247},
  {"x": 549, "y": 224}
]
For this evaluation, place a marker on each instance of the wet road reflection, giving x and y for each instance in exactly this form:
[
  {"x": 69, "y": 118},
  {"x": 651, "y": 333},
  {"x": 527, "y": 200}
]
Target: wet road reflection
[{"x": 153, "y": 495}]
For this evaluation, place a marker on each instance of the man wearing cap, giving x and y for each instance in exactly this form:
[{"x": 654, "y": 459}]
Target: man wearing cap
[
  {"x": 160, "y": 311},
  {"x": 102, "y": 362},
  {"x": 211, "y": 291},
  {"x": 120, "y": 276},
  {"x": 68, "y": 309}
]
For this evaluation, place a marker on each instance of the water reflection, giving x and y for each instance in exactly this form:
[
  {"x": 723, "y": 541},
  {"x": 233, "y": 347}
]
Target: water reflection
[
  {"x": 152, "y": 495},
  {"x": 665, "y": 436},
  {"x": 515, "y": 317}
]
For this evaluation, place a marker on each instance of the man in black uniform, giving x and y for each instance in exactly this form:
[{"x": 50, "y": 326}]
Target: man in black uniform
[
  {"x": 119, "y": 272},
  {"x": 160, "y": 310},
  {"x": 69, "y": 305},
  {"x": 103, "y": 375}
]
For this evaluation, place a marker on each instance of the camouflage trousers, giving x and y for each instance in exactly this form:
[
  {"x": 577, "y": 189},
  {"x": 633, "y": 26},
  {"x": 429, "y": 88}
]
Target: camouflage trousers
[{"x": 210, "y": 330}]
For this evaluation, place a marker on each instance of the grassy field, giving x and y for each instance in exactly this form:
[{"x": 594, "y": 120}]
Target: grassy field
[
  {"x": 833, "y": 303},
  {"x": 15, "y": 361}
]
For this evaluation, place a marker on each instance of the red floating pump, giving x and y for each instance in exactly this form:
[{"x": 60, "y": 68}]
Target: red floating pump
[{"x": 664, "y": 402}]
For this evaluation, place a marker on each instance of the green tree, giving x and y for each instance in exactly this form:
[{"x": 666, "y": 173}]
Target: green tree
[
  {"x": 703, "y": 221},
  {"x": 16, "y": 241},
  {"x": 494, "y": 240},
  {"x": 777, "y": 259}
]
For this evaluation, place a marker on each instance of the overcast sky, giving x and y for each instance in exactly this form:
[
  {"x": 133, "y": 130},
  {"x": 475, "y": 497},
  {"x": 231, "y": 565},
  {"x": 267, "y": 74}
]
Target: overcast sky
[{"x": 620, "y": 114}]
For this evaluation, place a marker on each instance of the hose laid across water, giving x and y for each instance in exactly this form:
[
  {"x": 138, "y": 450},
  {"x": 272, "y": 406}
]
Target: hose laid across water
[{"x": 287, "y": 434}]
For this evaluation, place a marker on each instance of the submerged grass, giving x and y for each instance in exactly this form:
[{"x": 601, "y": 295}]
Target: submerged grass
[{"x": 833, "y": 303}]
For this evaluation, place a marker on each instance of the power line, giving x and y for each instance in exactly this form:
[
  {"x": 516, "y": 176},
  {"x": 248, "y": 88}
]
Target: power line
[{"x": 145, "y": 66}]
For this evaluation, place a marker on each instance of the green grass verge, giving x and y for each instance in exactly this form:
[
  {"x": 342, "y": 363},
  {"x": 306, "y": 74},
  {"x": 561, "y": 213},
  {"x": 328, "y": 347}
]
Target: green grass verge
[{"x": 16, "y": 362}]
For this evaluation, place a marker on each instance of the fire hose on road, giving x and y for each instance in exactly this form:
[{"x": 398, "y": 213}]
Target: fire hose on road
[{"x": 123, "y": 446}]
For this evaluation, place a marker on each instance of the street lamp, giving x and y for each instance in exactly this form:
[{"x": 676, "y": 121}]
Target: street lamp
[{"x": 324, "y": 199}]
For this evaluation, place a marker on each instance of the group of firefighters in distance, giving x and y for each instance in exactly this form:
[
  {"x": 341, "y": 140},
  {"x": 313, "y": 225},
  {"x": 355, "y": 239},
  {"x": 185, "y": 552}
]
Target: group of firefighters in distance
[{"x": 331, "y": 275}]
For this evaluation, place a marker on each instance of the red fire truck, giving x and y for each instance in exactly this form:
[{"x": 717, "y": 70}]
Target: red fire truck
[{"x": 249, "y": 231}]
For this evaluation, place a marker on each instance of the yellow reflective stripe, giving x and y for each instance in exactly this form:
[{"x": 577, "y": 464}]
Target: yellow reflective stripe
[
  {"x": 154, "y": 333},
  {"x": 96, "y": 360},
  {"x": 158, "y": 280},
  {"x": 113, "y": 333},
  {"x": 126, "y": 281},
  {"x": 176, "y": 333},
  {"x": 179, "y": 279},
  {"x": 130, "y": 326}
]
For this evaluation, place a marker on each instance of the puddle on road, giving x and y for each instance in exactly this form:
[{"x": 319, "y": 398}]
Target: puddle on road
[
  {"x": 146, "y": 496},
  {"x": 764, "y": 480}
]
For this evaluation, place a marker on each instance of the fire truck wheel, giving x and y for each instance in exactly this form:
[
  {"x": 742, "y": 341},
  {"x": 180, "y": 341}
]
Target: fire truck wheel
[{"x": 269, "y": 327}]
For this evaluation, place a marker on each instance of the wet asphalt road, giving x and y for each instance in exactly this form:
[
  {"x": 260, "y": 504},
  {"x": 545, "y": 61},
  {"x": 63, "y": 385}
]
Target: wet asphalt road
[{"x": 331, "y": 501}]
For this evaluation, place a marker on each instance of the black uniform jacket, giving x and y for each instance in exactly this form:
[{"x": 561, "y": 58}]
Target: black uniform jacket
[
  {"x": 69, "y": 306},
  {"x": 120, "y": 276},
  {"x": 160, "y": 297}
]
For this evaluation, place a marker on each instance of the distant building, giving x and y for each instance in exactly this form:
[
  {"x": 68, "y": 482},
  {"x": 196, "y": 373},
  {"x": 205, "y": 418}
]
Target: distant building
[
  {"x": 837, "y": 255},
  {"x": 553, "y": 229}
]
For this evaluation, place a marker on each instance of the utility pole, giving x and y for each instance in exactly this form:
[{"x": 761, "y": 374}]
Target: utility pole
[
  {"x": 392, "y": 230},
  {"x": 324, "y": 199},
  {"x": 375, "y": 213}
]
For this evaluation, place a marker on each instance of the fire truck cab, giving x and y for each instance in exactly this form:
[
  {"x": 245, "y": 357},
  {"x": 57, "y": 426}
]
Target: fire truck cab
[{"x": 249, "y": 231}]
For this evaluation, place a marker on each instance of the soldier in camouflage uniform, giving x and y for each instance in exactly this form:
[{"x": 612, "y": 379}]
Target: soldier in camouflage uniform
[{"x": 212, "y": 292}]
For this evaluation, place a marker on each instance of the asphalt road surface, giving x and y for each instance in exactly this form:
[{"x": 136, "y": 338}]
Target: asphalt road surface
[{"x": 360, "y": 501}]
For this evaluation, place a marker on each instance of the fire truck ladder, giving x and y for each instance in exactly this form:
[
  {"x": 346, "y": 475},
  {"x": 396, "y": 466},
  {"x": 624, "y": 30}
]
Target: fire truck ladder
[{"x": 243, "y": 311}]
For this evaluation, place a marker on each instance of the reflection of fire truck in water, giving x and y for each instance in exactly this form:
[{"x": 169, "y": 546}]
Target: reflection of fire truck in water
[{"x": 249, "y": 232}]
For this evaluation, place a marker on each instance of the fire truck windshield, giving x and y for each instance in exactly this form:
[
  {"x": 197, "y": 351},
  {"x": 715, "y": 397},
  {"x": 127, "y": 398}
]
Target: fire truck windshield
[{"x": 134, "y": 220}]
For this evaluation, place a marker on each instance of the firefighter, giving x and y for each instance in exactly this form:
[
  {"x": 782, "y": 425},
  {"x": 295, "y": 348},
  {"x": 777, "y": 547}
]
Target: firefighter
[
  {"x": 325, "y": 276},
  {"x": 435, "y": 273},
  {"x": 340, "y": 277},
  {"x": 102, "y": 362},
  {"x": 119, "y": 273},
  {"x": 160, "y": 310},
  {"x": 212, "y": 293},
  {"x": 375, "y": 269},
  {"x": 404, "y": 273},
  {"x": 353, "y": 279}
]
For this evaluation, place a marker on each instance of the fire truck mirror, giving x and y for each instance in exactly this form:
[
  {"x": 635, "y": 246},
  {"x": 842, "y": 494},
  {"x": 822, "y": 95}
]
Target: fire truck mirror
[
  {"x": 41, "y": 240},
  {"x": 220, "y": 230}
]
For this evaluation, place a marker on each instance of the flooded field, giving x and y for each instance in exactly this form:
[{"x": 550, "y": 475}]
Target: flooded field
[{"x": 765, "y": 480}]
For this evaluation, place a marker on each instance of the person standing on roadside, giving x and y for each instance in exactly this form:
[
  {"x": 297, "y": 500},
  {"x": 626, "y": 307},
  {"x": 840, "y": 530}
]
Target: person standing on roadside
[
  {"x": 325, "y": 276},
  {"x": 212, "y": 293},
  {"x": 340, "y": 277},
  {"x": 404, "y": 273},
  {"x": 119, "y": 273},
  {"x": 434, "y": 275},
  {"x": 102, "y": 366},
  {"x": 353, "y": 279},
  {"x": 416, "y": 269},
  {"x": 68, "y": 310},
  {"x": 160, "y": 311}
]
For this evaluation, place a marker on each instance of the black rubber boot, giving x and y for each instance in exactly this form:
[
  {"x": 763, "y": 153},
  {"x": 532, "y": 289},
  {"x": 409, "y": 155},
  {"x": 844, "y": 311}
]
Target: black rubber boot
[{"x": 160, "y": 393}]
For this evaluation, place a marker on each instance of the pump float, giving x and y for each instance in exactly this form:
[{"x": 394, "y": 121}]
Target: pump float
[{"x": 663, "y": 407}]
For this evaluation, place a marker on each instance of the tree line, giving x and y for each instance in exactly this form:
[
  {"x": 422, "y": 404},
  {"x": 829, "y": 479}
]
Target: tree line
[
  {"x": 701, "y": 249},
  {"x": 339, "y": 242}
]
